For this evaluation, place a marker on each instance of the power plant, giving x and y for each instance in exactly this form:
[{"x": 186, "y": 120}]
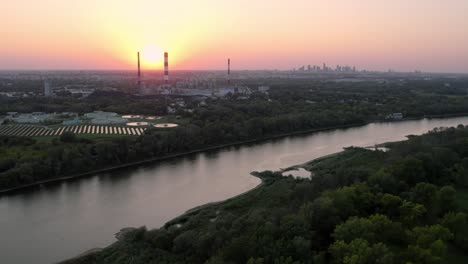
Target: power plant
[
  {"x": 166, "y": 69},
  {"x": 194, "y": 87}
]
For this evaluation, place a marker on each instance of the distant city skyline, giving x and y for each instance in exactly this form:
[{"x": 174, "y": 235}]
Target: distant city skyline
[{"x": 426, "y": 35}]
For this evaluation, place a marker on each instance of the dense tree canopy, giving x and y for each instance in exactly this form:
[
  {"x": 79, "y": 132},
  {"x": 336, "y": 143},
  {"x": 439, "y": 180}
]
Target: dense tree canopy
[{"x": 344, "y": 214}]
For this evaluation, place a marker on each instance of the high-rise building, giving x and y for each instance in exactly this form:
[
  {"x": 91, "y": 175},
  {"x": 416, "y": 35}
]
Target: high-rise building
[{"x": 47, "y": 89}]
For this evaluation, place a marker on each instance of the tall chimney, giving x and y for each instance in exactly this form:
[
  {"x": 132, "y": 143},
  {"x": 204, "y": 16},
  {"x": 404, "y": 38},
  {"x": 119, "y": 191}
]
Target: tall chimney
[
  {"x": 166, "y": 67},
  {"x": 229, "y": 71},
  {"x": 139, "y": 73}
]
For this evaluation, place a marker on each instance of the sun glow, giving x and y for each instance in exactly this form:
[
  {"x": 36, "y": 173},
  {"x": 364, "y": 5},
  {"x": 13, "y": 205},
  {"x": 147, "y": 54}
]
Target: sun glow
[
  {"x": 202, "y": 34},
  {"x": 152, "y": 56}
]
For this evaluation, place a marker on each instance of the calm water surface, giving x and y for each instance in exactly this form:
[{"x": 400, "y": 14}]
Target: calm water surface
[{"x": 60, "y": 221}]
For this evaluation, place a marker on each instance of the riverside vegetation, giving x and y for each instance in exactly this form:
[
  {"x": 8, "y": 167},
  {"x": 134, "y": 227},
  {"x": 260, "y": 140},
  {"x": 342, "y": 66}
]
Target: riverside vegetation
[
  {"x": 405, "y": 205},
  {"x": 290, "y": 106}
]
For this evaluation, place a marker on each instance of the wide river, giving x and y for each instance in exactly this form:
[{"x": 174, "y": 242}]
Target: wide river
[{"x": 62, "y": 220}]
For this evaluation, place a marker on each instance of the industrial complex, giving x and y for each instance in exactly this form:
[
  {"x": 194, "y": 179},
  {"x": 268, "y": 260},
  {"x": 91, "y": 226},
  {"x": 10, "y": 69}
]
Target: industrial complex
[
  {"x": 192, "y": 87},
  {"x": 39, "y": 124}
]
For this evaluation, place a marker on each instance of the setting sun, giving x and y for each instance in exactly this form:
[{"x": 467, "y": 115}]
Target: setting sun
[{"x": 152, "y": 56}]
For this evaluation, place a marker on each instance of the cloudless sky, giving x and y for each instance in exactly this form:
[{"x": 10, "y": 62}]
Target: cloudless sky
[{"x": 430, "y": 35}]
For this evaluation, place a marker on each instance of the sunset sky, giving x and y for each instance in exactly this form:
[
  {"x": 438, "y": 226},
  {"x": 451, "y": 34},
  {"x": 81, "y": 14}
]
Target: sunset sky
[{"x": 430, "y": 35}]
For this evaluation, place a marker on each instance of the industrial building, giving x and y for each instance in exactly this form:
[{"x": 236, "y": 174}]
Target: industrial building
[
  {"x": 29, "y": 118},
  {"x": 47, "y": 89},
  {"x": 205, "y": 87},
  {"x": 80, "y": 92},
  {"x": 74, "y": 121},
  {"x": 395, "y": 116},
  {"x": 105, "y": 118}
]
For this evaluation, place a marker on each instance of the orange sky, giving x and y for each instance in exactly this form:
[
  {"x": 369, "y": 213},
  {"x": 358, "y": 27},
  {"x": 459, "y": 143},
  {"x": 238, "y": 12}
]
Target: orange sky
[{"x": 430, "y": 35}]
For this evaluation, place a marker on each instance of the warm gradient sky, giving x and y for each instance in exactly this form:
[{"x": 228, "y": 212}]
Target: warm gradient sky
[{"x": 430, "y": 35}]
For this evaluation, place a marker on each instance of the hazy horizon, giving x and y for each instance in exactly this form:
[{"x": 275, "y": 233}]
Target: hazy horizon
[
  {"x": 257, "y": 35},
  {"x": 206, "y": 70}
]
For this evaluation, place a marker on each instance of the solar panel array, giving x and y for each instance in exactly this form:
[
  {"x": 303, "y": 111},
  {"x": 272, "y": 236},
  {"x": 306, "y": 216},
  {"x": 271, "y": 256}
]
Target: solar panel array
[{"x": 37, "y": 131}]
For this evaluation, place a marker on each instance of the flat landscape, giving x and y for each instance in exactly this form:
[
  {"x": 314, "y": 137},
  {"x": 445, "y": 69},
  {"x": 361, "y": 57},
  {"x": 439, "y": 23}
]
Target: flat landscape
[{"x": 234, "y": 132}]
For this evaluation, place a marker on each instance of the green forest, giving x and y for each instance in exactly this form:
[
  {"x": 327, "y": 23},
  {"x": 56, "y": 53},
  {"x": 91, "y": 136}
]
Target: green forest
[
  {"x": 290, "y": 106},
  {"x": 405, "y": 205}
]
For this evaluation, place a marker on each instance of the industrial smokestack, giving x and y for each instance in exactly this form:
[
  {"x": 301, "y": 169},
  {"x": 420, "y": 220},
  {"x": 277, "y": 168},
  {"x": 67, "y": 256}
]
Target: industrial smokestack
[
  {"x": 229, "y": 71},
  {"x": 166, "y": 67},
  {"x": 138, "y": 57},
  {"x": 139, "y": 73}
]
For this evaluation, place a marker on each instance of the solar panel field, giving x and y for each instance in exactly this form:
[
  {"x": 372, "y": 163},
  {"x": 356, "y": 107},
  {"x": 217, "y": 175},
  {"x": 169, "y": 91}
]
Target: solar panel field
[{"x": 37, "y": 131}]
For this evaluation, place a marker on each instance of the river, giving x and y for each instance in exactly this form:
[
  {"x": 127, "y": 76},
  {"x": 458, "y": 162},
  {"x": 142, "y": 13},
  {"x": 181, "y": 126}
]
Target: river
[{"x": 62, "y": 220}]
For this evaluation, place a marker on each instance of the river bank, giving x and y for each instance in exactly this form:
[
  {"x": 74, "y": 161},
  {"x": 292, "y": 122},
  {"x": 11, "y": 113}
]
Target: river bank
[
  {"x": 186, "y": 215},
  {"x": 176, "y": 155},
  {"x": 259, "y": 186},
  {"x": 86, "y": 213},
  {"x": 211, "y": 148}
]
